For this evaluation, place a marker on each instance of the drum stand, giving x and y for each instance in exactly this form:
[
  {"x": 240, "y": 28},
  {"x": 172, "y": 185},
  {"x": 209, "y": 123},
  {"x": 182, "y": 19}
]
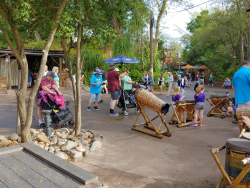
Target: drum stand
[
  {"x": 230, "y": 182},
  {"x": 175, "y": 119},
  {"x": 153, "y": 130},
  {"x": 222, "y": 103}
]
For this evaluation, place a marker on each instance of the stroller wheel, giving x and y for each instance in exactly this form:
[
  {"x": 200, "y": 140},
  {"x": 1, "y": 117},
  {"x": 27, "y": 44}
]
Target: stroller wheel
[
  {"x": 126, "y": 113},
  {"x": 42, "y": 126},
  {"x": 137, "y": 111},
  {"x": 71, "y": 122},
  {"x": 64, "y": 125}
]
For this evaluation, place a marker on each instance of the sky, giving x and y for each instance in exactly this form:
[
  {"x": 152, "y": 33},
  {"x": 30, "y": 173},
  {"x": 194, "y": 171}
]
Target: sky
[{"x": 181, "y": 19}]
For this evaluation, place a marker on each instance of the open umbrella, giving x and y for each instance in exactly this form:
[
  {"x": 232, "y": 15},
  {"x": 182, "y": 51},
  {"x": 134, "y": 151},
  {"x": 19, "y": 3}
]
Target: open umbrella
[
  {"x": 188, "y": 67},
  {"x": 121, "y": 59}
]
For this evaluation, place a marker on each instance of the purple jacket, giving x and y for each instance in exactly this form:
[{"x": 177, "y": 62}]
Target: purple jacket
[{"x": 59, "y": 100}]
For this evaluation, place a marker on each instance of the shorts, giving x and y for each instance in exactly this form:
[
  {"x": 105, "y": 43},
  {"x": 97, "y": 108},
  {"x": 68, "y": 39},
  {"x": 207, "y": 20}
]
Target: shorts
[
  {"x": 114, "y": 95},
  {"x": 226, "y": 87},
  {"x": 199, "y": 106},
  {"x": 202, "y": 80},
  {"x": 103, "y": 86},
  {"x": 244, "y": 105},
  {"x": 29, "y": 79},
  {"x": 95, "y": 97}
]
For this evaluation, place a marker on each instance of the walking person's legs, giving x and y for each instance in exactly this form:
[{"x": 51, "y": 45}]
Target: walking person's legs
[
  {"x": 113, "y": 102},
  {"x": 93, "y": 100},
  {"x": 201, "y": 117},
  {"x": 160, "y": 89},
  {"x": 195, "y": 118}
]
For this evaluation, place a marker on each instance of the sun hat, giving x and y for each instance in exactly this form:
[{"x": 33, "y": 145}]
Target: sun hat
[
  {"x": 117, "y": 70},
  {"x": 52, "y": 74},
  {"x": 98, "y": 71}
]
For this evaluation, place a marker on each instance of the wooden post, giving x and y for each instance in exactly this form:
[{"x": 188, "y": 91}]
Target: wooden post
[
  {"x": 60, "y": 69},
  {"x": 9, "y": 73},
  {"x": 18, "y": 124}
]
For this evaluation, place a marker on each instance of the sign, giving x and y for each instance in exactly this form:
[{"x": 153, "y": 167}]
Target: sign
[{"x": 168, "y": 59}]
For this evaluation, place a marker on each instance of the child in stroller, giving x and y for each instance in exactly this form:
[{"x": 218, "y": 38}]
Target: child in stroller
[{"x": 58, "y": 105}]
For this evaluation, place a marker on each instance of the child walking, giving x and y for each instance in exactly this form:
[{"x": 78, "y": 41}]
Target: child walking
[
  {"x": 227, "y": 84},
  {"x": 199, "y": 98},
  {"x": 176, "y": 96}
]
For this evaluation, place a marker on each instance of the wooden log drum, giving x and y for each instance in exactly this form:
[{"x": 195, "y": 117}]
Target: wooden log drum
[
  {"x": 219, "y": 103},
  {"x": 239, "y": 113},
  {"x": 236, "y": 173},
  {"x": 178, "y": 116},
  {"x": 145, "y": 99}
]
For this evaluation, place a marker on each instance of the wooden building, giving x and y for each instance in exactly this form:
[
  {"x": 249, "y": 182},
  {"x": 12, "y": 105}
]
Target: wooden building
[{"x": 11, "y": 70}]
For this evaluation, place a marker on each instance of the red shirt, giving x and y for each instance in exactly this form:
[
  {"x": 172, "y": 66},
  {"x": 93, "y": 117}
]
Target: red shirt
[
  {"x": 45, "y": 82},
  {"x": 113, "y": 80}
]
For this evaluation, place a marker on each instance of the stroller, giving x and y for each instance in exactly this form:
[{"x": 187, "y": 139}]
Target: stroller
[
  {"x": 127, "y": 101},
  {"x": 58, "y": 114}
]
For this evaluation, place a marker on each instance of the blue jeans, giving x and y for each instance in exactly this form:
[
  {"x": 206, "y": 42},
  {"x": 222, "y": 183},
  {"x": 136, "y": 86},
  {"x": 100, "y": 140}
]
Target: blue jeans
[{"x": 95, "y": 97}]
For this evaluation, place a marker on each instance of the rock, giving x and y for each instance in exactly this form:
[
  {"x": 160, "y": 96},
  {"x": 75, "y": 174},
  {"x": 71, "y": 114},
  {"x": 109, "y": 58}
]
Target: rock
[
  {"x": 89, "y": 132},
  {"x": 41, "y": 145},
  {"x": 33, "y": 131},
  {"x": 89, "y": 140},
  {"x": 53, "y": 133},
  {"x": 51, "y": 149},
  {"x": 74, "y": 139},
  {"x": 85, "y": 135},
  {"x": 19, "y": 140},
  {"x": 57, "y": 150},
  {"x": 61, "y": 143},
  {"x": 42, "y": 138},
  {"x": 66, "y": 130},
  {"x": 77, "y": 159},
  {"x": 85, "y": 143},
  {"x": 14, "y": 143},
  {"x": 35, "y": 142},
  {"x": 78, "y": 141},
  {"x": 97, "y": 138},
  {"x": 86, "y": 153},
  {"x": 75, "y": 153},
  {"x": 73, "y": 133},
  {"x": 54, "y": 139},
  {"x": 64, "y": 135},
  {"x": 96, "y": 145},
  {"x": 61, "y": 155},
  {"x": 83, "y": 131},
  {"x": 46, "y": 144},
  {"x": 2, "y": 137},
  {"x": 80, "y": 145},
  {"x": 81, "y": 149},
  {"x": 5, "y": 142},
  {"x": 63, "y": 140},
  {"x": 58, "y": 134},
  {"x": 46, "y": 148},
  {"x": 58, "y": 140},
  {"x": 70, "y": 137},
  {"x": 69, "y": 145}
]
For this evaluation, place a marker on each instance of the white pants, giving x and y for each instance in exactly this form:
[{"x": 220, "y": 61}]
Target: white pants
[{"x": 182, "y": 91}]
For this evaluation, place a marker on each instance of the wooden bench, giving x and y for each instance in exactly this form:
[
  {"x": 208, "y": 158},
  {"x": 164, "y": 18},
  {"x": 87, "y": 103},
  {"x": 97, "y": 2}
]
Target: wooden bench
[{"x": 3, "y": 83}]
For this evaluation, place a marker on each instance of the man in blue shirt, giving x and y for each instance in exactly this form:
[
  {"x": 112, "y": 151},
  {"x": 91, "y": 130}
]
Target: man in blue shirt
[
  {"x": 95, "y": 89},
  {"x": 241, "y": 85}
]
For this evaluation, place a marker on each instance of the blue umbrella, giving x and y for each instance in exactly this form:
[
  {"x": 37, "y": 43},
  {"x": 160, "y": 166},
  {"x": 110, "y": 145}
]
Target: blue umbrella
[{"x": 121, "y": 59}]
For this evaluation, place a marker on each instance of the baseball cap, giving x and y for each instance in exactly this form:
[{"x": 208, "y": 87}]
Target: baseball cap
[
  {"x": 116, "y": 69},
  {"x": 52, "y": 74},
  {"x": 111, "y": 64}
]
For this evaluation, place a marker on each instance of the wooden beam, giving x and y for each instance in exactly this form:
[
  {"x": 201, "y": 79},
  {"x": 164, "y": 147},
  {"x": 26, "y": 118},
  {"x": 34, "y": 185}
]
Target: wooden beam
[
  {"x": 60, "y": 69},
  {"x": 9, "y": 73}
]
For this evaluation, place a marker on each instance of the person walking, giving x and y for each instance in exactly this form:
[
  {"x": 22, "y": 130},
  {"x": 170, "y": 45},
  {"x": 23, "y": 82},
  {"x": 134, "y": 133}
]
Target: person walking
[
  {"x": 241, "y": 85},
  {"x": 183, "y": 82},
  {"x": 56, "y": 79},
  {"x": 196, "y": 81},
  {"x": 188, "y": 76},
  {"x": 160, "y": 82},
  {"x": 29, "y": 79},
  {"x": 202, "y": 78},
  {"x": 227, "y": 84},
  {"x": 128, "y": 85},
  {"x": 95, "y": 89},
  {"x": 211, "y": 79},
  {"x": 151, "y": 82},
  {"x": 113, "y": 87},
  {"x": 170, "y": 82}
]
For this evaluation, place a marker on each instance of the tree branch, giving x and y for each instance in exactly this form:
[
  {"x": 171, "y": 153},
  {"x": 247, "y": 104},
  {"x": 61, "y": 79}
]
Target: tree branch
[{"x": 27, "y": 34}]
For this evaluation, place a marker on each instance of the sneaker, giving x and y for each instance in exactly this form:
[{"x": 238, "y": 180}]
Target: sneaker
[
  {"x": 95, "y": 108},
  {"x": 40, "y": 122},
  {"x": 194, "y": 125},
  {"x": 89, "y": 109},
  {"x": 101, "y": 101},
  {"x": 200, "y": 124},
  {"x": 113, "y": 114}
]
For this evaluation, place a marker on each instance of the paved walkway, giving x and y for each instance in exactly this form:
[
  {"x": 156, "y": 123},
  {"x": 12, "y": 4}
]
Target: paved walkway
[{"x": 132, "y": 159}]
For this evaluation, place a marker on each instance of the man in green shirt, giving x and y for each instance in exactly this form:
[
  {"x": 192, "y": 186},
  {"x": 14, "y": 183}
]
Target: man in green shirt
[{"x": 127, "y": 81}]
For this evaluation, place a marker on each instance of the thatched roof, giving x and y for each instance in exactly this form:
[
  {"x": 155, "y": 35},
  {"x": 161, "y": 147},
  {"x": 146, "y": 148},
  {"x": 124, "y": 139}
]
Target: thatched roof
[
  {"x": 203, "y": 67},
  {"x": 188, "y": 67}
]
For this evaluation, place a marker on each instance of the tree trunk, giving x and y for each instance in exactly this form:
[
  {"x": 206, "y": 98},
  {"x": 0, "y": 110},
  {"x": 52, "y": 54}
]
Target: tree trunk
[
  {"x": 234, "y": 58},
  {"x": 151, "y": 42},
  {"x": 25, "y": 134},
  {"x": 116, "y": 27},
  {"x": 141, "y": 49},
  {"x": 78, "y": 122},
  {"x": 241, "y": 47},
  {"x": 158, "y": 26}
]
